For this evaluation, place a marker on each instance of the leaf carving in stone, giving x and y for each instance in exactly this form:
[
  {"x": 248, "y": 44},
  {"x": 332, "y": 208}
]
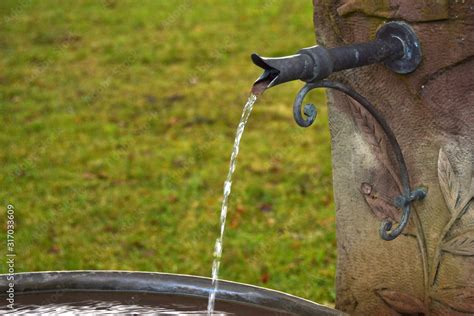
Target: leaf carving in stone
[
  {"x": 374, "y": 135},
  {"x": 439, "y": 309},
  {"x": 379, "y": 204},
  {"x": 401, "y": 302},
  {"x": 461, "y": 245},
  {"x": 460, "y": 299},
  {"x": 449, "y": 182}
]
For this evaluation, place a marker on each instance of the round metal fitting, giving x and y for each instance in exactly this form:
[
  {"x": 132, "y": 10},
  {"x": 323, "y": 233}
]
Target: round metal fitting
[{"x": 411, "y": 46}]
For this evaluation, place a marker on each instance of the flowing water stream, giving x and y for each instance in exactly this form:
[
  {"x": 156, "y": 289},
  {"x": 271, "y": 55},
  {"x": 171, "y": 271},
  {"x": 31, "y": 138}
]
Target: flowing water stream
[
  {"x": 225, "y": 200},
  {"x": 75, "y": 303}
]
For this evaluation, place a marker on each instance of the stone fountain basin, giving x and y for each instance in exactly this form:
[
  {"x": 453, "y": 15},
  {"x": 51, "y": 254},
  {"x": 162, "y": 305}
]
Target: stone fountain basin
[{"x": 153, "y": 289}]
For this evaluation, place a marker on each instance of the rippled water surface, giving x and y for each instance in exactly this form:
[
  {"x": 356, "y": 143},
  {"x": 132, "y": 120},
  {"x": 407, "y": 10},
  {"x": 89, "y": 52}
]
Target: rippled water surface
[{"x": 123, "y": 303}]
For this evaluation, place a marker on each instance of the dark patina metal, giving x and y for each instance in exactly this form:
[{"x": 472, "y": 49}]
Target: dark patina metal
[
  {"x": 59, "y": 282},
  {"x": 403, "y": 201},
  {"x": 396, "y": 46}
]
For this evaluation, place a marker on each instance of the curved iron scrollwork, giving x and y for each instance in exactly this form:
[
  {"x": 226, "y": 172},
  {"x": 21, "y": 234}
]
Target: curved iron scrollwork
[{"x": 404, "y": 200}]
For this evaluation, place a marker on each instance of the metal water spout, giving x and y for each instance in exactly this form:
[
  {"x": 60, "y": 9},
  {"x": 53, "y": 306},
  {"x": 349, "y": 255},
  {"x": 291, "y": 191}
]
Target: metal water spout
[{"x": 396, "y": 46}]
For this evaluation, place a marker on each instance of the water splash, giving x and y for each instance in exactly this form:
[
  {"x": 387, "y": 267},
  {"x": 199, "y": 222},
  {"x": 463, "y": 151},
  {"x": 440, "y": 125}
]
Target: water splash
[{"x": 225, "y": 200}]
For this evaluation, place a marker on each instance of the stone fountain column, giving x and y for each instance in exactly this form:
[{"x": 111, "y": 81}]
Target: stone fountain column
[{"x": 430, "y": 268}]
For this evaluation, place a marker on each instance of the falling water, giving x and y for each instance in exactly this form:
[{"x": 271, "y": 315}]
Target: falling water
[{"x": 227, "y": 188}]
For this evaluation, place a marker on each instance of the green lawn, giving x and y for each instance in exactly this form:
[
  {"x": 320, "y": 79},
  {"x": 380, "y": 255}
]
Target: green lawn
[{"x": 117, "y": 122}]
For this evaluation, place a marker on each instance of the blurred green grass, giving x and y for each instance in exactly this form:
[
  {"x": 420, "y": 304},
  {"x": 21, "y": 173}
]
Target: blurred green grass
[{"x": 118, "y": 119}]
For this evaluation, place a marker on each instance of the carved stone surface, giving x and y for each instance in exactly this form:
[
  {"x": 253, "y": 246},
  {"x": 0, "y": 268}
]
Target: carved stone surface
[{"x": 430, "y": 268}]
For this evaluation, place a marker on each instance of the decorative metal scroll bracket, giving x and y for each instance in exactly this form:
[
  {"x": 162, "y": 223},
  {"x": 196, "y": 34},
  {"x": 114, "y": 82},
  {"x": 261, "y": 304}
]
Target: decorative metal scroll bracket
[
  {"x": 408, "y": 195},
  {"x": 395, "y": 45}
]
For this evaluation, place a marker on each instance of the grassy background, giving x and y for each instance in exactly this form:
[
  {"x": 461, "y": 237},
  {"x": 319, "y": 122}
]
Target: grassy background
[{"x": 118, "y": 119}]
